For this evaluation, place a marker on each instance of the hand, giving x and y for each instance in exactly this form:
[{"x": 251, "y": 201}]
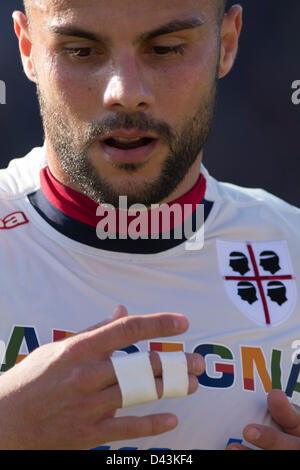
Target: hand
[
  {"x": 64, "y": 395},
  {"x": 267, "y": 438}
]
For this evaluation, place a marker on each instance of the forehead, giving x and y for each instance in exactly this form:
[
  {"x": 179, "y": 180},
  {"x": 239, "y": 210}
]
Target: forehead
[{"x": 116, "y": 15}]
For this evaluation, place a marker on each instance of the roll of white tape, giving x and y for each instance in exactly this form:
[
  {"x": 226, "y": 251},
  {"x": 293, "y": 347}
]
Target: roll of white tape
[
  {"x": 135, "y": 376},
  {"x": 175, "y": 374}
]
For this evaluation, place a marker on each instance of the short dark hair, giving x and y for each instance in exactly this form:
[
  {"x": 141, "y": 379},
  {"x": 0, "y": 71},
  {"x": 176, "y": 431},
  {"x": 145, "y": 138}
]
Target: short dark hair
[{"x": 221, "y": 7}]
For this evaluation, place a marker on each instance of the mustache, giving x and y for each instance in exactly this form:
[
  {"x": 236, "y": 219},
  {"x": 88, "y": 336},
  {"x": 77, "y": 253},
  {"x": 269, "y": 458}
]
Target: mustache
[{"x": 138, "y": 121}]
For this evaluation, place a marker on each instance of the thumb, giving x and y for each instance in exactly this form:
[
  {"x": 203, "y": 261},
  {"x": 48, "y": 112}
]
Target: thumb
[
  {"x": 119, "y": 312},
  {"x": 283, "y": 412}
]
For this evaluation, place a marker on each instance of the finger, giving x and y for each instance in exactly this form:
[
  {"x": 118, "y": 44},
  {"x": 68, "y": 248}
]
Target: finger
[
  {"x": 283, "y": 412},
  {"x": 119, "y": 312},
  {"x": 111, "y": 397},
  {"x": 106, "y": 376},
  {"x": 126, "y": 331},
  {"x": 268, "y": 438},
  {"x": 100, "y": 374},
  {"x": 195, "y": 364},
  {"x": 193, "y": 386},
  {"x": 133, "y": 427}
]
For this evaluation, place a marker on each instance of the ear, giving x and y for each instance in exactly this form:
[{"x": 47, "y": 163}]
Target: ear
[
  {"x": 230, "y": 33},
  {"x": 25, "y": 45}
]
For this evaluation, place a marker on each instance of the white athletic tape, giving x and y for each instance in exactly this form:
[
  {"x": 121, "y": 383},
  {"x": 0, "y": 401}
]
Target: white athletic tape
[
  {"x": 175, "y": 374},
  {"x": 135, "y": 377}
]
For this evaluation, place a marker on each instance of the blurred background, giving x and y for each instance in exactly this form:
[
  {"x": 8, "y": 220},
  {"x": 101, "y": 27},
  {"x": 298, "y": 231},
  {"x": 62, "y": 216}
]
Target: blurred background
[{"x": 255, "y": 138}]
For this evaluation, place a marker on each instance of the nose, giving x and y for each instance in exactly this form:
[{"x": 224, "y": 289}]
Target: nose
[{"x": 127, "y": 88}]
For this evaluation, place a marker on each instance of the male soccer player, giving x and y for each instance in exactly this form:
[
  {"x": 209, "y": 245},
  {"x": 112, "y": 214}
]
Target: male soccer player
[{"x": 127, "y": 92}]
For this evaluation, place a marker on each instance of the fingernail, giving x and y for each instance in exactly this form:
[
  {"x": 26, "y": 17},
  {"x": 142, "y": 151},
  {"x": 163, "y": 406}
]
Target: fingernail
[
  {"x": 171, "y": 422},
  {"x": 253, "y": 434},
  {"x": 116, "y": 311},
  {"x": 198, "y": 363},
  {"x": 119, "y": 311},
  {"x": 180, "y": 323}
]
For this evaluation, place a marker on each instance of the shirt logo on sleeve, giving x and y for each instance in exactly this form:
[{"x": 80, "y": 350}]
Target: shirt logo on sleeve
[
  {"x": 13, "y": 220},
  {"x": 259, "y": 279}
]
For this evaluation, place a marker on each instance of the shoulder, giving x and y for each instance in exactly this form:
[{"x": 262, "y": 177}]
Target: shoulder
[
  {"x": 22, "y": 175},
  {"x": 267, "y": 209},
  {"x": 253, "y": 208},
  {"x": 244, "y": 197}
]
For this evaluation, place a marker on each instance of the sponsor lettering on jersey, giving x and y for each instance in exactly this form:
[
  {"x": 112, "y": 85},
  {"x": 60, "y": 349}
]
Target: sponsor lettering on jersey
[
  {"x": 19, "y": 335},
  {"x": 226, "y": 369},
  {"x": 165, "y": 346},
  {"x": 13, "y": 220},
  {"x": 61, "y": 334},
  {"x": 252, "y": 364},
  {"x": 222, "y": 366}
]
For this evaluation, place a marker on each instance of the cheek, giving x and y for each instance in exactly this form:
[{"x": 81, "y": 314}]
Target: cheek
[
  {"x": 77, "y": 93},
  {"x": 182, "y": 94},
  {"x": 182, "y": 88},
  {"x": 73, "y": 91}
]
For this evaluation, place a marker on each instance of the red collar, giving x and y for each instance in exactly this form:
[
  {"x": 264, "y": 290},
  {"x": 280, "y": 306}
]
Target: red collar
[{"x": 83, "y": 209}]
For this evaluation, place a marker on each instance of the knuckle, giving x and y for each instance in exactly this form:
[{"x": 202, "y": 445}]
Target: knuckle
[
  {"x": 78, "y": 379},
  {"x": 154, "y": 425},
  {"x": 130, "y": 429},
  {"x": 81, "y": 432},
  {"x": 131, "y": 327},
  {"x": 162, "y": 324},
  {"x": 145, "y": 426},
  {"x": 74, "y": 348},
  {"x": 139, "y": 427},
  {"x": 67, "y": 347}
]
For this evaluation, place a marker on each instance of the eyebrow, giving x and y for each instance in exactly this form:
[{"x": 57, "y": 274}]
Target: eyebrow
[
  {"x": 171, "y": 27},
  {"x": 77, "y": 32}
]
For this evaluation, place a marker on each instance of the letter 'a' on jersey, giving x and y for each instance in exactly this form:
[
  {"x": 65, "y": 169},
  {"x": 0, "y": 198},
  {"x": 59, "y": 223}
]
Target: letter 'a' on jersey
[{"x": 240, "y": 293}]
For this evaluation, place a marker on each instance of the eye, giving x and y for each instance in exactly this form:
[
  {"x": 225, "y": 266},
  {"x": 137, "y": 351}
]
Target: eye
[
  {"x": 80, "y": 52},
  {"x": 168, "y": 50}
]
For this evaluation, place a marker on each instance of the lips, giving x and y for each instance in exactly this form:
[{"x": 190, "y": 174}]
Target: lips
[{"x": 128, "y": 146}]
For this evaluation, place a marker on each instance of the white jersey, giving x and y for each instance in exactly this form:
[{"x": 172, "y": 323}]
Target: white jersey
[{"x": 239, "y": 292}]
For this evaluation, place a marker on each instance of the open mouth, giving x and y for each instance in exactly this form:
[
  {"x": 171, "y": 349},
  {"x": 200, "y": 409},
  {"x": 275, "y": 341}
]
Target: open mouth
[
  {"x": 129, "y": 147},
  {"x": 128, "y": 144}
]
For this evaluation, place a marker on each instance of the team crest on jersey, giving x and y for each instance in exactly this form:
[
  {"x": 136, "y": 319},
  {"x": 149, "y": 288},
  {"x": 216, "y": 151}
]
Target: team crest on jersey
[{"x": 259, "y": 279}]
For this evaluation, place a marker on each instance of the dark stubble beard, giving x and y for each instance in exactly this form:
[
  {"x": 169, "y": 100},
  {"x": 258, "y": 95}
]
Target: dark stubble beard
[{"x": 72, "y": 150}]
